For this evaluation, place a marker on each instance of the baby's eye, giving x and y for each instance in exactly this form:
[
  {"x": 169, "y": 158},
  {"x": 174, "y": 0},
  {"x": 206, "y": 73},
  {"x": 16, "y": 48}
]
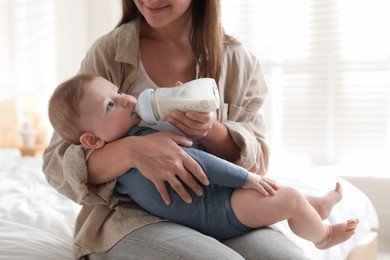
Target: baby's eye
[
  {"x": 119, "y": 92},
  {"x": 110, "y": 105}
]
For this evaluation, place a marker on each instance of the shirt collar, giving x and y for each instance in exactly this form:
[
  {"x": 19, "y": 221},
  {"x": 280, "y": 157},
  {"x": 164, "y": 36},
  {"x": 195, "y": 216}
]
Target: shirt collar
[{"x": 128, "y": 43}]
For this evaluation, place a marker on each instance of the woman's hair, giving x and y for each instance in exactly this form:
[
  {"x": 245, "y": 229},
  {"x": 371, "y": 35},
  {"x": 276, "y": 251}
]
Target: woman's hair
[
  {"x": 207, "y": 36},
  {"x": 64, "y": 107}
]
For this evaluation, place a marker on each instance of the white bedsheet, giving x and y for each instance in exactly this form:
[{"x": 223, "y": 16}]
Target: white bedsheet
[{"x": 36, "y": 222}]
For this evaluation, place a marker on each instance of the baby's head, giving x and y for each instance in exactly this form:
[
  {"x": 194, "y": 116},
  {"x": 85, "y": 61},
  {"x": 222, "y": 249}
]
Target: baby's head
[
  {"x": 64, "y": 107},
  {"x": 90, "y": 110}
]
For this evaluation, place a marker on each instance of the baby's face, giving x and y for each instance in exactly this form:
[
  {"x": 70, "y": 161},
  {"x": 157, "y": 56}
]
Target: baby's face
[{"x": 106, "y": 112}]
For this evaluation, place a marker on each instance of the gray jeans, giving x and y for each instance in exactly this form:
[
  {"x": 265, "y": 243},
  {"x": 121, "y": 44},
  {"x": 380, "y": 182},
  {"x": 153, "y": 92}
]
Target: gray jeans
[{"x": 171, "y": 241}]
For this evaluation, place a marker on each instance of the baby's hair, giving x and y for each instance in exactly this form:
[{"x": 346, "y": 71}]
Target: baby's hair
[{"x": 64, "y": 107}]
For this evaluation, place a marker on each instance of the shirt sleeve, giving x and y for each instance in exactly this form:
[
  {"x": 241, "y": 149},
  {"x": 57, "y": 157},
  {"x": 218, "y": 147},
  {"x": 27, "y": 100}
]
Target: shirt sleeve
[
  {"x": 245, "y": 91},
  {"x": 65, "y": 168}
]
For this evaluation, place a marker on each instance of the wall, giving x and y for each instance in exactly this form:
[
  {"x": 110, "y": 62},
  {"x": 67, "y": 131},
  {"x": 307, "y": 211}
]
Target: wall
[
  {"x": 378, "y": 190},
  {"x": 79, "y": 24}
]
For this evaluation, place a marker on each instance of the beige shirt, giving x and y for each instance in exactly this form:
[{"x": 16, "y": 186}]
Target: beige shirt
[{"x": 106, "y": 218}]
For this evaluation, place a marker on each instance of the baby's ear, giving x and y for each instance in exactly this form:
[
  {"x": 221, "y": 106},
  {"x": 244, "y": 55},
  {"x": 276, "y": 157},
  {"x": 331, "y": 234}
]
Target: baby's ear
[{"x": 91, "y": 141}]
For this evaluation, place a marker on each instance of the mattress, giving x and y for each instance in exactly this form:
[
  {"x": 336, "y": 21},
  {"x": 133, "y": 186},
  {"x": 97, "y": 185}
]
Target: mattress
[{"x": 37, "y": 222}]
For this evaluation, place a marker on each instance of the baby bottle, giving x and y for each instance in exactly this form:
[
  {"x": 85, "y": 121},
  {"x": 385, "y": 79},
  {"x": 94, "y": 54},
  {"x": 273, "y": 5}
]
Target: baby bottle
[
  {"x": 28, "y": 134},
  {"x": 200, "y": 95}
]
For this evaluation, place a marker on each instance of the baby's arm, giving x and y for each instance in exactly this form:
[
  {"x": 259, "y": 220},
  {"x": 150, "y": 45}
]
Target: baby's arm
[{"x": 227, "y": 174}]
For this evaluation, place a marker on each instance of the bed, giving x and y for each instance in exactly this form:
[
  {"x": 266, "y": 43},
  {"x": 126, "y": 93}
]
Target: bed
[
  {"x": 36, "y": 222},
  {"x": 355, "y": 204}
]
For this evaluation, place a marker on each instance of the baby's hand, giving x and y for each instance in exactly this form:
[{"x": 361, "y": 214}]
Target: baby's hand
[{"x": 262, "y": 184}]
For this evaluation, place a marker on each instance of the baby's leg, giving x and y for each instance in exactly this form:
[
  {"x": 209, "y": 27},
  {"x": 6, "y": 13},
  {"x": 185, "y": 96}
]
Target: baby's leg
[
  {"x": 255, "y": 210},
  {"x": 324, "y": 204}
]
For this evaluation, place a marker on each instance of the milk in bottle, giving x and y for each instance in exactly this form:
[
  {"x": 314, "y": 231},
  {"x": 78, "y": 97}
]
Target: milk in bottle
[{"x": 200, "y": 95}]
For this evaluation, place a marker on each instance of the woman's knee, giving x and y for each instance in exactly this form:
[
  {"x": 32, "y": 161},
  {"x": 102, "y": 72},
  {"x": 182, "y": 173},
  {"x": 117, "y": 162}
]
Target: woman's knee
[{"x": 265, "y": 243}]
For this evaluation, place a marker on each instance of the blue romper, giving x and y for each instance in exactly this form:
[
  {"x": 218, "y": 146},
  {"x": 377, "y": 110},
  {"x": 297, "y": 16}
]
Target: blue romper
[{"x": 210, "y": 214}]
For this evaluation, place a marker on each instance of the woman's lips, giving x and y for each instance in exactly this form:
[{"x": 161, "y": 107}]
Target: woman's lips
[{"x": 156, "y": 9}]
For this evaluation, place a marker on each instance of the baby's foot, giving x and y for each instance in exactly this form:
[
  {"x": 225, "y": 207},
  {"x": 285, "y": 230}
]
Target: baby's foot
[
  {"x": 328, "y": 201},
  {"x": 338, "y": 233}
]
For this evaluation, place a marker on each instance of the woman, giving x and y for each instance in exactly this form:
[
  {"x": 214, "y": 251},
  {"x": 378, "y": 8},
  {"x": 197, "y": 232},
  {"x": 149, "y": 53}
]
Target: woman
[{"x": 157, "y": 43}]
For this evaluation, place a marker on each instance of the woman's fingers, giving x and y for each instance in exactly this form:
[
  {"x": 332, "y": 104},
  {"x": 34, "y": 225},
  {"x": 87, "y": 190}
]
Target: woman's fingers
[
  {"x": 173, "y": 166},
  {"x": 178, "y": 187},
  {"x": 162, "y": 189},
  {"x": 192, "y": 170},
  {"x": 196, "y": 171},
  {"x": 193, "y": 124}
]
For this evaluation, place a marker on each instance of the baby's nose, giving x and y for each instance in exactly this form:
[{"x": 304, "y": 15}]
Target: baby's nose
[{"x": 126, "y": 101}]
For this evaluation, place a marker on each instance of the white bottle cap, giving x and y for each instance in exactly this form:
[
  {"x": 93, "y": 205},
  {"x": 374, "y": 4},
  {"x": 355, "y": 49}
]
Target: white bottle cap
[{"x": 144, "y": 107}]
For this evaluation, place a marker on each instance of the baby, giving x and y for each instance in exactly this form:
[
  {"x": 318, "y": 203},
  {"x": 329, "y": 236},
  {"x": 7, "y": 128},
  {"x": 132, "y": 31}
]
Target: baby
[{"x": 91, "y": 111}]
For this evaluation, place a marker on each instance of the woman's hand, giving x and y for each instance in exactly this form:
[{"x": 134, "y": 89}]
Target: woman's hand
[
  {"x": 193, "y": 124},
  {"x": 162, "y": 160},
  {"x": 213, "y": 135},
  {"x": 262, "y": 184}
]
